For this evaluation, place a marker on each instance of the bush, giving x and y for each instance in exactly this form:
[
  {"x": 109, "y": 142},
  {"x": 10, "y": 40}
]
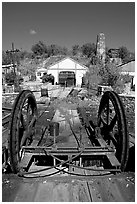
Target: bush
[
  {"x": 47, "y": 78},
  {"x": 109, "y": 74},
  {"x": 92, "y": 78},
  {"x": 119, "y": 87},
  {"x": 12, "y": 78},
  {"x": 126, "y": 78}
]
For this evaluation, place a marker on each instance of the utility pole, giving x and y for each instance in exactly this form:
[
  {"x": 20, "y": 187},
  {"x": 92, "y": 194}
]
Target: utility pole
[{"x": 12, "y": 52}]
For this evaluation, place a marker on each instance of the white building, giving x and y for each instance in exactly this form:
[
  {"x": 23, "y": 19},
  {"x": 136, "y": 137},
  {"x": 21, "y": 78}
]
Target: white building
[
  {"x": 129, "y": 68},
  {"x": 65, "y": 68}
]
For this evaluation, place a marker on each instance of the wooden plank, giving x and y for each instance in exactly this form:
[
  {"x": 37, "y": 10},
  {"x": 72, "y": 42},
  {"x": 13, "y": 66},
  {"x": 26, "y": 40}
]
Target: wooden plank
[
  {"x": 109, "y": 191},
  {"x": 64, "y": 93},
  {"x": 60, "y": 192},
  {"x": 113, "y": 160},
  {"x": 84, "y": 194},
  {"x": 44, "y": 192},
  {"x": 95, "y": 194},
  {"x": 26, "y": 192},
  {"x": 34, "y": 143},
  {"x": 5, "y": 135},
  {"x": 102, "y": 142},
  {"x": 25, "y": 162}
]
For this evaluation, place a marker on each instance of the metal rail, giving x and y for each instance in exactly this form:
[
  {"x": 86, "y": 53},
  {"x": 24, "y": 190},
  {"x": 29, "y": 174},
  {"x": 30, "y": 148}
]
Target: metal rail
[{"x": 62, "y": 151}]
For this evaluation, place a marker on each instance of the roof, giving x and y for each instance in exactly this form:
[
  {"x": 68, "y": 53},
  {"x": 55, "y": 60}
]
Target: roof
[
  {"x": 128, "y": 67},
  {"x": 83, "y": 61},
  {"x": 55, "y": 59},
  {"x": 42, "y": 70}
]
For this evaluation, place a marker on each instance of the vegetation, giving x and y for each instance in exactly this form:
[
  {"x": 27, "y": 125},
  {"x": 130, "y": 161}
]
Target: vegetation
[
  {"x": 47, "y": 78},
  {"x": 28, "y": 68},
  {"x": 11, "y": 78},
  {"x": 108, "y": 74},
  {"x": 41, "y": 50},
  {"x": 14, "y": 79},
  {"x": 125, "y": 55}
]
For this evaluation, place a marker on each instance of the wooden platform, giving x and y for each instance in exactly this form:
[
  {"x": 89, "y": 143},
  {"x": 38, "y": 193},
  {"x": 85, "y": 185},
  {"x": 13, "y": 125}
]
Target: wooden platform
[{"x": 118, "y": 188}]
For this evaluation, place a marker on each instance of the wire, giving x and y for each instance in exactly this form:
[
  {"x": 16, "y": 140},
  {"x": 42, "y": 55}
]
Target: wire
[
  {"x": 40, "y": 176},
  {"x": 75, "y": 174},
  {"x": 90, "y": 169},
  {"x": 45, "y": 169}
]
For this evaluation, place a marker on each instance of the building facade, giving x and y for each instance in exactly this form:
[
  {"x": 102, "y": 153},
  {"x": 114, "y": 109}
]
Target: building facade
[{"x": 66, "y": 69}]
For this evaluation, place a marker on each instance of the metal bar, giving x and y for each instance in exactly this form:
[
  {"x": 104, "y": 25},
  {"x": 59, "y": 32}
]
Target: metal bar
[
  {"x": 6, "y": 109},
  {"x": 113, "y": 160},
  {"x": 6, "y": 94},
  {"x": 6, "y": 116},
  {"x": 66, "y": 148},
  {"x": 70, "y": 151}
]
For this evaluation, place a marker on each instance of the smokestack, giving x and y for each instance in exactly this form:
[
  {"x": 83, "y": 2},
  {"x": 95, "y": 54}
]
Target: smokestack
[{"x": 101, "y": 47}]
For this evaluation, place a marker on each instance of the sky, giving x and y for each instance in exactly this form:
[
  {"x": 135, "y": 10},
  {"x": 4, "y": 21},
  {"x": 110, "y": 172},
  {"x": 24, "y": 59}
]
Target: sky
[{"x": 67, "y": 24}]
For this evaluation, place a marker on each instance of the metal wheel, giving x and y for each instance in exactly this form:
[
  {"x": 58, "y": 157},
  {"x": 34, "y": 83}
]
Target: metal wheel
[
  {"x": 21, "y": 127},
  {"x": 112, "y": 122}
]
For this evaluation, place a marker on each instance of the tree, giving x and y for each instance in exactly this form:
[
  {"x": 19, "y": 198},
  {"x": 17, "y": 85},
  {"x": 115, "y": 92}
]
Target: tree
[
  {"x": 76, "y": 50},
  {"x": 11, "y": 78},
  {"x": 89, "y": 49},
  {"x": 132, "y": 56},
  {"x": 39, "y": 48},
  {"x": 6, "y": 58},
  {"x": 92, "y": 78},
  {"x": 109, "y": 73},
  {"x": 56, "y": 50},
  {"x": 28, "y": 67},
  {"x": 124, "y": 54}
]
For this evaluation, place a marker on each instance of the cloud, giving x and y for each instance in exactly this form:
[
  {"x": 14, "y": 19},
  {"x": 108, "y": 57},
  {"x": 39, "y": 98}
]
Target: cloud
[{"x": 32, "y": 32}]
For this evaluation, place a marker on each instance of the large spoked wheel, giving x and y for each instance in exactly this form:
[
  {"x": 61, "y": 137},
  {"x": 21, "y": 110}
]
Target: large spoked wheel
[
  {"x": 21, "y": 127},
  {"x": 112, "y": 122}
]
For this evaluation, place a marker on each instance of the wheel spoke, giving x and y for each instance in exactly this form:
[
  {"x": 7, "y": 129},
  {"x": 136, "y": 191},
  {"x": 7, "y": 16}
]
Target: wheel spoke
[
  {"x": 23, "y": 139},
  {"x": 112, "y": 137},
  {"x": 103, "y": 121},
  {"x": 23, "y": 122},
  {"x": 112, "y": 123},
  {"x": 28, "y": 131},
  {"x": 33, "y": 119},
  {"x": 107, "y": 112}
]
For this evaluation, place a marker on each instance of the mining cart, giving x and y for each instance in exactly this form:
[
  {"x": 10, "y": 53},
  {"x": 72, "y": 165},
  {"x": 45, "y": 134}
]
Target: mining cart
[{"x": 104, "y": 145}]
